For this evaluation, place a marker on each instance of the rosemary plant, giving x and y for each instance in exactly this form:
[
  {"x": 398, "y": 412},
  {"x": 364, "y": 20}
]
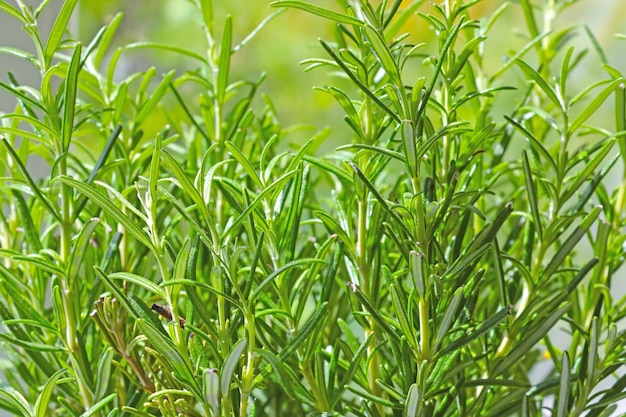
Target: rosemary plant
[{"x": 457, "y": 256}]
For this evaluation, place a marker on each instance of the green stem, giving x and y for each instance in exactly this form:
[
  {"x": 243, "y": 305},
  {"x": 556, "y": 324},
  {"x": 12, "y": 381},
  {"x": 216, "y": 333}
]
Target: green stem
[
  {"x": 68, "y": 296},
  {"x": 320, "y": 400},
  {"x": 424, "y": 329},
  {"x": 248, "y": 371}
]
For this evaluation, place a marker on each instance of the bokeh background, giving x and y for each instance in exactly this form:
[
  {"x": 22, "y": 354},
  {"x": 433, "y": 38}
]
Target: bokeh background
[{"x": 293, "y": 37}]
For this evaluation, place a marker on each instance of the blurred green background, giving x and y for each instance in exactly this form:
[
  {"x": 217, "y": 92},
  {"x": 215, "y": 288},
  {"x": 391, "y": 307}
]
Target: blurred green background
[{"x": 292, "y": 37}]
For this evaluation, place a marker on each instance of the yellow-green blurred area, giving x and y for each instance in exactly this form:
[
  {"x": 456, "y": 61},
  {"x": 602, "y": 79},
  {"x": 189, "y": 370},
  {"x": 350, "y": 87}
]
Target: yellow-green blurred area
[{"x": 293, "y": 37}]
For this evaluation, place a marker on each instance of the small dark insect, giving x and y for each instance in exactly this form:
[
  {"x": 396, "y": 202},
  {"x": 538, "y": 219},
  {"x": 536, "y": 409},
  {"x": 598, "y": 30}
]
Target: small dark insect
[{"x": 166, "y": 313}]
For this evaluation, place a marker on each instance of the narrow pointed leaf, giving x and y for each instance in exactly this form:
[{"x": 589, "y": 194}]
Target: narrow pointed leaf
[
  {"x": 229, "y": 365},
  {"x": 480, "y": 330},
  {"x": 591, "y": 108},
  {"x": 69, "y": 97},
  {"x": 224, "y": 61},
  {"x": 530, "y": 339},
  {"x": 531, "y": 191},
  {"x": 166, "y": 347},
  {"x": 58, "y": 29},
  {"x": 318, "y": 11},
  {"x": 33, "y": 186},
  {"x": 564, "y": 387},
  {"x": 43, "y": 399},
  {"x": 111, "y": 209}
]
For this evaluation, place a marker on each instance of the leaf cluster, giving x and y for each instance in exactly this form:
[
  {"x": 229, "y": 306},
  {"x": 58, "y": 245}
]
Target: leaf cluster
[{"x": 178, "y": 258}]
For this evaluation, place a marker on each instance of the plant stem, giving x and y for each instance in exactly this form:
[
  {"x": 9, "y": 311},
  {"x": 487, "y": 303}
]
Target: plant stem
[
  {"x": 248, "y": 370},
  {"x": 68, "y": 296}
]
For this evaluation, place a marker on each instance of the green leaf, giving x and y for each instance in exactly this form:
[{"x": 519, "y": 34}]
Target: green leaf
[
  {"x": 43, "y": 399},
  {"x": 223, "y": 68},
  {"x": 449, "y": 318},
  {"x": 595, "y": 44},
  {"x": 529, "y": 340},
  {"x": 564, "y": 388},
  {"x": 592, "y": 352},
  {"x": 291, "y": 224},
  {"x": 401, "y": 312},
  {"x": 416, "y": 268},
  {"x": 80, "y": 246},
  {"x": 41, "y": 262},
  {"x": 19, "y": 94},
  {"x": 541, "y": 83},
  {"x": 151, "y": 197},
  {"x": 37, "y": 357},
  {"x": 268, "y": 190},
  {"x": 229, "y": 366},
  {"x": 361, "y": 393},
  {"x": 535, "y": 144},
  {"x": 139, "y": 280},
  {"x": 31, "y": 233},
  {"x": 18, "y": 53},
  {"x": 104, "y": 155},
  {"x": 210, "y": 388},
  {"x": 608, "y": 410},
  {"x": 359, "y": 83},
  {"x": 155, "y": 98},
  {"x": 13, "y": 12},
  {"x": 168, "y": 48},
  {"x": 94, "y": 409},
  {"x": 140, "y": 310},
  {"x": 186, "y": 184},
  {"x": 254, "y": 32},
  {"x": 25, "y": 309},
  {"x": 107, "y": 205},
  {"x": 571, "y": 241},
  {"x": 17, "y": 400},
  {"x": 412, "y": 402},
  {"x": 30, "y": 346},
  {"x": 480, "y": 330},
  {"x": 384, "y": 323},
  {"x": 313, "y": 324},
  {"x": 597, "y": 101},
  {"x": 620, "y": 119},
  {"x": 245, "y": 163},
  {"x": 135, "y": 308},
  {"x": 166, "y": 347},
  {"x": 531, "y": 191},
  {"x": 298, "y": 263},
  {"x": 207, "y": 287},
  {"x": 529, "y": 15},
  {"x": 395, "y": 216},
  {"x": 587, "y": 172},
  {"x": 104, "y": 373},
  {"x": 106, "y": 39},
  {"x": 58, "y": 29},
  {"x": 281, "y": 374},
  {"x": 318, "y": 11},
  {"x": 133, "y": 411},
  {"x": 383, "y": 55},
  {"x": 452, "y": 35},
  {"x": 330, "y": 168},
  {"x": 346, "y": 104},
  {"x": 69, "y": 96},
  {"x": 33, "y": 186},
  {"x": 375, "y": 149}
]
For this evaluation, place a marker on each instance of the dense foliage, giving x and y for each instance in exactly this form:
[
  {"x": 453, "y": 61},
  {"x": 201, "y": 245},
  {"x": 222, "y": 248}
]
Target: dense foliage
[{"x": 181, "y": 257}]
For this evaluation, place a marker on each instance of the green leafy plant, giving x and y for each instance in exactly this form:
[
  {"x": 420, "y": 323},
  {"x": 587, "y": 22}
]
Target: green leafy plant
[{"x": 181, "y": 256}]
